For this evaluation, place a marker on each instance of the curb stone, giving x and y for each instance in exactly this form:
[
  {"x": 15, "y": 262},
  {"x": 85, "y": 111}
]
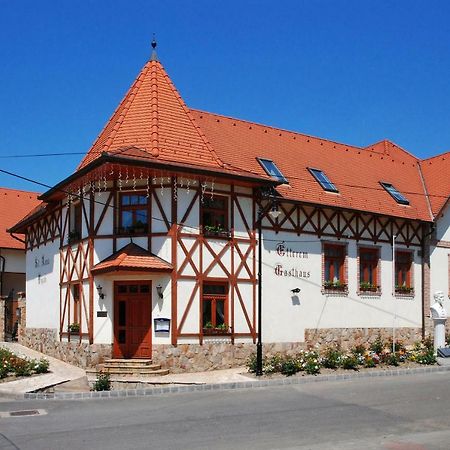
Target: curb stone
[{"x": 252, "y": 384}]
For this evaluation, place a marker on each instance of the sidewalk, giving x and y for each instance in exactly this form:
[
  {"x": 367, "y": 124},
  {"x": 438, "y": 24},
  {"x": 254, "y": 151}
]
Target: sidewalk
[
  {"x": 60, "y": 372},
  {"x": 235, "y": 378}
]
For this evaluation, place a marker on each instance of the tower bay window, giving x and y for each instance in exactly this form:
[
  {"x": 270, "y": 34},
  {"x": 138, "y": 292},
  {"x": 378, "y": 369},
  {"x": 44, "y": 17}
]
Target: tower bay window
[{"x": 133, "y": 213}]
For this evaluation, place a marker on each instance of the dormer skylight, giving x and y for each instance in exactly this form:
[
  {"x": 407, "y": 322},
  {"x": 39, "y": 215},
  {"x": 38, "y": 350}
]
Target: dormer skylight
[
  {"x": 399, "y": 198},
  {"x": 323, "y": 180},
  {"x": 271, "y": 169}
]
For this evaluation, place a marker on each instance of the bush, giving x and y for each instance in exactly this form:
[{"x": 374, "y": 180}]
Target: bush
[
  {"x": 358, "y": 350},
  {"x": 332, "y": 357},
  {"x": 426, "y": 357},
  {"x": 103, "y": 382},
  {"x": 251, "y": 363},
  {"x": 370, "y": 361},
  {"x": 21, "y": 367},
  {"x": 273, "y": 364},
  {"x": 428, "y": 343},
  {"x": 310, "y": 362},
  {"x": 392, "y": 359},
  {"x": 41, "y": 366},
  {"x": 290, "y": 366},
  {"x": 350, "y": 362},
  {"x": 377, "y": 346}
]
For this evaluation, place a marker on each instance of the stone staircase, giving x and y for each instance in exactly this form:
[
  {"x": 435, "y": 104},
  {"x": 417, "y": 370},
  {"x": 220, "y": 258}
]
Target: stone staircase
[{"x": 129, "y": 368}]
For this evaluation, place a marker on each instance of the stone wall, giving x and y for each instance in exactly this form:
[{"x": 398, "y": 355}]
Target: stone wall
[
  {"x": 82, "y": 354},
  {"x": 348, "y": 337},
  {"x": 214, "y": 355}
]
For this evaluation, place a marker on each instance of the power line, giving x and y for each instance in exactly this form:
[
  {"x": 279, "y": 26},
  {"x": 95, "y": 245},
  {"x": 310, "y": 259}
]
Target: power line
[{"x": 288, "y": 176}]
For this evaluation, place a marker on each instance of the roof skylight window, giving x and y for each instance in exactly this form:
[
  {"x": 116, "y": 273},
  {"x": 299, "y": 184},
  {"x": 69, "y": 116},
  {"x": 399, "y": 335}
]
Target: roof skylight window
[
  {"x": 323, "y": 180},
  {"x": 271, "y": 169},
  {"x": 399, "y": 198}
]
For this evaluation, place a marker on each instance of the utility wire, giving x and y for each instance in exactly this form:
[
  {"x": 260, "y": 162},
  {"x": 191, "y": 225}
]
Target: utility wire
[{"x": 309, "y": 180}]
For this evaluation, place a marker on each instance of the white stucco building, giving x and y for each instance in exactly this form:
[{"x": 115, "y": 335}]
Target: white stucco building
[{"x": 150, "y": 249}]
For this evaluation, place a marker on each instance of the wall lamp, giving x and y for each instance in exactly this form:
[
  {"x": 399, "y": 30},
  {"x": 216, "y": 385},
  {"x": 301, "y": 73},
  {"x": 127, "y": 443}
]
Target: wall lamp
[
  {"x": 159, "y": 291},
  {"x": 295, "y": 290},
  {"x": 100, "y": 291}
]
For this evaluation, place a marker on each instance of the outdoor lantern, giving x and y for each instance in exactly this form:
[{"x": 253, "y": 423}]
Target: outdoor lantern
[
  {"x": 100, "y": 291},
  {"x": 159, "y": 291},
  {"x": 274, "y": 212}
]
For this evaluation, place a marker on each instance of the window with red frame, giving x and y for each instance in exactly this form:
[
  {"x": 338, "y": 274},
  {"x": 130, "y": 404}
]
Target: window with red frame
[
  {"x": 403, "y": 272},
  {"x": 334, "y": 264},
  {"x": 368, "y": 269},
  {"x": 214, "y": 214},
  {"x": 76, "y": 294},
  {"x": 214, "y": 306},
  {"x": 133, "y": 213}
]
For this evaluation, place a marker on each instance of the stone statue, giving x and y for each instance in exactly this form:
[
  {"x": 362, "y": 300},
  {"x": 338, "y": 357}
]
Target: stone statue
[{"x": 437, "y": 308}]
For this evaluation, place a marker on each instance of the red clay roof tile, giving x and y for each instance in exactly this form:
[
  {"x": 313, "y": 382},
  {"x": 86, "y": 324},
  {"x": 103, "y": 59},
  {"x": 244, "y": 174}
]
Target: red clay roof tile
[
  {"x": 132, "y": 258},
  {"x": 14, "y": 205}
]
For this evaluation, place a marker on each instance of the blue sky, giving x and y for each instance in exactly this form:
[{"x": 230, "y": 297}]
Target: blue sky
[{"x": 350, "y": 71}]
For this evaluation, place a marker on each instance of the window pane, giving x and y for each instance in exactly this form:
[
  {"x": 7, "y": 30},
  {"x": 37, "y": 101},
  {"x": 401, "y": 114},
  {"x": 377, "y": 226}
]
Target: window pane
[
  {"x": 125, "y": 200},
  {"x": 214, "y": 289},
  {"x": 145, "y": 288},
  {"x": 127, "y": 218},
  {"x": 122, "y": 335},
  {"x": 142, "y": 200},
  {"x": 206, "y": 312},
  {"x": 133, "y": 289},
  {"x": 141, "y": 216},
  {"x": 122, "y": 288},
  {"x": 220, "y": 312}
]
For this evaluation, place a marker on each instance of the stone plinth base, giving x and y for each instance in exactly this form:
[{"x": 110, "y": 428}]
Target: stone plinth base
[
  {"x": 45, "y": 340},
  {"x": 348, "y": 337}
]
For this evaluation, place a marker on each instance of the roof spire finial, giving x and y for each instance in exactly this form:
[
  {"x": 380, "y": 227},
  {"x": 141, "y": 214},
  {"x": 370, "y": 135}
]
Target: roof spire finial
[{"x": 154, "y": 56}]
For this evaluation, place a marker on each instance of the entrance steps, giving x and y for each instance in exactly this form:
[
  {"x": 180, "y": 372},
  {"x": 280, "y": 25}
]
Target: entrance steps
[{"x": 124, "y": 368}]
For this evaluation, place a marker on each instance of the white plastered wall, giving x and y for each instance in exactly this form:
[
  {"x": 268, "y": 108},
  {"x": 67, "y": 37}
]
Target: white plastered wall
[
  {"x": 287, "y": 315},
  {"x": 43, "y": 286},
  {"x": 439, "y": 259}
]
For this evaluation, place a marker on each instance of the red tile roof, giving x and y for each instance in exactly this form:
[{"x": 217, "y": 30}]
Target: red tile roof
[
  {"x": 132, "y": 258},
  {"x": 14, "y": 205},
  {"x": 356, "y": 172},
  {"x": 436, "y": 172},
  {"x": 152, "y": 122}
]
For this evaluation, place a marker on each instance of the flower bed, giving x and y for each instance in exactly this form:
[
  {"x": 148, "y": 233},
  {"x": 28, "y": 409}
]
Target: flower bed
[
  {"x": 13, "y": 366},
  {"x": 361, "y": 357}
]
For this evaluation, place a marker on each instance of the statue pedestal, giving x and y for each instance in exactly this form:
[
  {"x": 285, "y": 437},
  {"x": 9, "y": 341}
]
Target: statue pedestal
[{"x": 439, "y": 332}]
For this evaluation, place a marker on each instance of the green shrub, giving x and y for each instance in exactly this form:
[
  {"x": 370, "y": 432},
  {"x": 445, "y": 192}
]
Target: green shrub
[
  {"x": 428, "y": 343},
  {"x": 103, "y": 382},
  {"x": 350, "y": 362},
  {"x": 377, "y": 346},
  {"x": 427, "y": 357},
  {"x": 332, "y": 357},
  {"x": 369, "y": 361},
  {"x": 41, "y": 366},
  {"x": 290, "y": 366},
  {"x": 21, "y": 367},
  {"x": 392, "y": 359},
  {"x": 358, "y": 350},
  {"x": 310, "y": 362}
]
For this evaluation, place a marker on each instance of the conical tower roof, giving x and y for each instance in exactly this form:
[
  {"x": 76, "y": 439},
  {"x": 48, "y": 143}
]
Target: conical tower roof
[{"x": 152, "y": 122}]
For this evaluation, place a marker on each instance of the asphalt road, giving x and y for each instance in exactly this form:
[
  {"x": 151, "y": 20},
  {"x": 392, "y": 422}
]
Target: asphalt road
[{"x": 408, "y": 412}]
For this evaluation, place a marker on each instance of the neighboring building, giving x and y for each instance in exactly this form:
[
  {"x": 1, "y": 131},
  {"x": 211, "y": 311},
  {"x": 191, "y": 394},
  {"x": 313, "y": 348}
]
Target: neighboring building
[
  {"x": 150, "y": 249},
  {"x": 14, "y": 205}
]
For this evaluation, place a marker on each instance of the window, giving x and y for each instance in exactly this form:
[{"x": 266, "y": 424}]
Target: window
[
  {"x": 271, "y": 169},
  {"x": 76, "y": 217},
  {"x": 214, "y": 307},
  {"x": 133, "y": 214},
  {"x": 403, "y": 272},
  {"x": 214, "y": 215},
  {"x": 76, "y": 288},
  {"x": 368, "y": 269},
  {"x": 334, "y": 267},
  {"x": 323, "y": 180},
  {"x": 399, "y": 198}
]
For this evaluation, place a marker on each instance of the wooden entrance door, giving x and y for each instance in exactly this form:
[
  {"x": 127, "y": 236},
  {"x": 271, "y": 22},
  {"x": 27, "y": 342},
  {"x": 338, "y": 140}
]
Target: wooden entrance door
[{"x": 132, "y": 319}]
